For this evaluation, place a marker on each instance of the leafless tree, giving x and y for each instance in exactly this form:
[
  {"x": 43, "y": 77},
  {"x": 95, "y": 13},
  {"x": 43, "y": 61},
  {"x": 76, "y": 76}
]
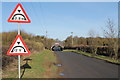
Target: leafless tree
[
  {"x": 111, "y": 34},
  {"x": 92, "y": 41}
]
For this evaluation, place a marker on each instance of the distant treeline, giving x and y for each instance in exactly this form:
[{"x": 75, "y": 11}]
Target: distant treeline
[
  {"x": 94, "y": 45},
  {"x": 34, "y": 43},
  {"x": 109, "y": 44}
]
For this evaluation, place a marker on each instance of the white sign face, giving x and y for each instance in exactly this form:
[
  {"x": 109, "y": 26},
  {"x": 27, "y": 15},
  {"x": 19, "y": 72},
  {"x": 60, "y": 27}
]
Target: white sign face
[
  {"x": 18, "y": 47},
  {"x": 19, "y": 15}
]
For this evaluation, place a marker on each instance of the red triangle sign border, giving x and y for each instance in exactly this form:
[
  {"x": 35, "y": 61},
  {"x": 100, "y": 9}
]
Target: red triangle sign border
[
  {"x": 23, "y": 12},
  {"x": 18, "y": 36}
]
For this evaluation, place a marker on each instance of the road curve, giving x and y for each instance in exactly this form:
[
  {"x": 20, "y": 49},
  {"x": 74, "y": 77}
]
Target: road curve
[{"x": 79, "y": 66}]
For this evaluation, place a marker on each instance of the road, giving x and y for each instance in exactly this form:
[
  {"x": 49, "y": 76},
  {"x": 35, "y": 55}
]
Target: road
[{"x": 79, "y": 66}]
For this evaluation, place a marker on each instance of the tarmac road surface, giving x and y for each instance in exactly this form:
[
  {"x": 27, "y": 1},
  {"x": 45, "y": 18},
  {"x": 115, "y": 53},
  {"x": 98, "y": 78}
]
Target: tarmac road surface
[{"x": 80, "y": 66}]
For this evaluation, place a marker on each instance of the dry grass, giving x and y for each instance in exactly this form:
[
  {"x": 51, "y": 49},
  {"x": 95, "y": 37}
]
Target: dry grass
[{"x": 42, "y": 66}]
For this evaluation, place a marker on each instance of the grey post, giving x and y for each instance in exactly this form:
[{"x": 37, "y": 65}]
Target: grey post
[{"x": 19, "y": 55}]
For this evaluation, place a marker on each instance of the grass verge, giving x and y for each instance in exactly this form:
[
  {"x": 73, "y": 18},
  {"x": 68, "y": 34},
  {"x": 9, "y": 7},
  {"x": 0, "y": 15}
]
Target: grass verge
[
  {"x": 42, "y": 66},
  {"x": 105, "y": 58}
]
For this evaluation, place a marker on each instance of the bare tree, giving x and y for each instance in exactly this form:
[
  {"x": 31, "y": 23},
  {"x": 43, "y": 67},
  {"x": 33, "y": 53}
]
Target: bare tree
[
  {"x": 92, "y": 41},
  {"x": 91, "y": 33},
  {"x": 111, "y": 34}
]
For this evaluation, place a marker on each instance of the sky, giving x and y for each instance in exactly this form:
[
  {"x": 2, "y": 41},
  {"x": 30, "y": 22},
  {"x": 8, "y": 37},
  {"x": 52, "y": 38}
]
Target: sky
[{"x": 59, "y": 19}]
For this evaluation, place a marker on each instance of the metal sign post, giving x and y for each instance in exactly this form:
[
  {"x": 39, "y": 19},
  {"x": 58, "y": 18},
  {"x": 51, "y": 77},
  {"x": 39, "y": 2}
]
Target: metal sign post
[
  {"x": 18, "y": 47},
  {"x": 19, "y": 55},
  {"x": 19, "y": 66},
  {"x": 18, "y": 16}
]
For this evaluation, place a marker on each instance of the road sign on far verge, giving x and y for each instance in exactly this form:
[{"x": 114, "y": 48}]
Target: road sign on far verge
[
  {"x": 19, "y": 15},
  {"x": 18, "y": 47}
]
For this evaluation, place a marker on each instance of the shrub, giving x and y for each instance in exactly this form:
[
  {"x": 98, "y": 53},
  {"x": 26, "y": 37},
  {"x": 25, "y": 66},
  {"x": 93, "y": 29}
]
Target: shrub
[{"x": 34, "y": 46}]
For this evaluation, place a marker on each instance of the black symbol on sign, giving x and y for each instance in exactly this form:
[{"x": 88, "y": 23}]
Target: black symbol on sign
[
  {"x": 18, "y": 43},
  {"x": 19, "y": 10},
  {"x": 16, "y": 50},
  {"x": 17, "y": 16}
]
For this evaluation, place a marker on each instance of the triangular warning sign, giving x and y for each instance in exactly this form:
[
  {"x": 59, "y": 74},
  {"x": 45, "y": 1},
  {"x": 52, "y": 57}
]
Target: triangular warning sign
[
  {"x": 18, "y": 47},
  {"x": 19, "y": 15}
]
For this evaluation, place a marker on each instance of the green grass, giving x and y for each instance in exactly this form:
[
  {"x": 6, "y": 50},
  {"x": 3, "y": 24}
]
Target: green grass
[
  {"x": 97, "y": 56},
  {"x": 42, "y": 66}
]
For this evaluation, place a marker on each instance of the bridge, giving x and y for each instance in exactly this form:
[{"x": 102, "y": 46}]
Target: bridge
[{"x": 57, "y": 47}]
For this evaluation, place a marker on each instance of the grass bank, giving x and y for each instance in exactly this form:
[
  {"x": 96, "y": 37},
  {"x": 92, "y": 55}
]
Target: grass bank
[
  {"x": 105, "y": 58},
  {"x": 42, "y": 66}
]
